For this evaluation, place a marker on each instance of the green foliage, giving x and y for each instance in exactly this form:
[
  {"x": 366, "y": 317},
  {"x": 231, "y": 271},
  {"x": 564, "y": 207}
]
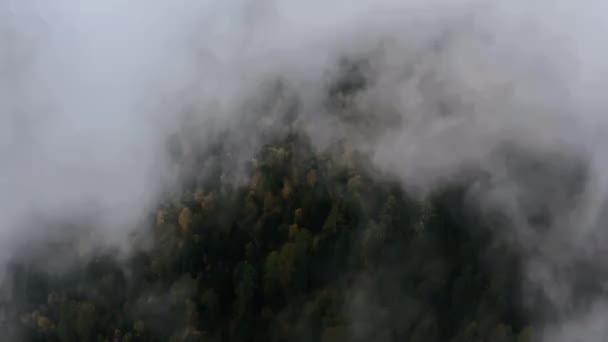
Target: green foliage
[
  {"x": 76, "y": 321},
  {"x": 284, "y": 258}
]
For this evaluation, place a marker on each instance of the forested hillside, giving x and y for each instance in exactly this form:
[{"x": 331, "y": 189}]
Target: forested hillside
[
  {"x": 303, "y": 171},
  {"x": 314, "y": 246}
]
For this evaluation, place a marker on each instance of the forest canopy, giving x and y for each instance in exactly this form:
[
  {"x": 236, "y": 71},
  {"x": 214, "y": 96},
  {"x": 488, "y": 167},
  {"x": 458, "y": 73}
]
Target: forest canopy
[{"x": 315, "y": 246}]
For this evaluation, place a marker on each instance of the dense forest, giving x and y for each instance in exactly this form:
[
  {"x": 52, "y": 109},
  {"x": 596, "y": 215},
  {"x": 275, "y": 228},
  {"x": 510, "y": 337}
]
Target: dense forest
[
  {"x": 300, "y": 244},
  {"x": 313, "y": 247}
]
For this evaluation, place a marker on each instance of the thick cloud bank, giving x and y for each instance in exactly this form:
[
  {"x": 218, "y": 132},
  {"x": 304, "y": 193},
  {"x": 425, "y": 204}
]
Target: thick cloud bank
[{"x": 90, "y": 92}]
